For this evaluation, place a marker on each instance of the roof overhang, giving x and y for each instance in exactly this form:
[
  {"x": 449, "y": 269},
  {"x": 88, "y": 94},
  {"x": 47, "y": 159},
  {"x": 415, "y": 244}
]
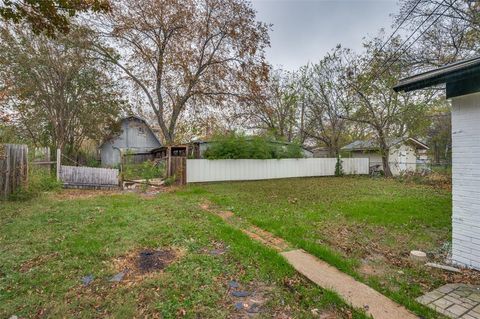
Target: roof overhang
[
  {"x": 462, "y": 78},
  {"x": 418, "y": 143}
]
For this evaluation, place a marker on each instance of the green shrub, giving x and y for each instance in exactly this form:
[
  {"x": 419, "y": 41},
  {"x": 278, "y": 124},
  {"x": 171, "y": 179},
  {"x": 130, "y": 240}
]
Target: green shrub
[
  {"x": 169, "y": 181},
  {"x": 39, "y": 180},
  {"x": 338, "y": 167},
  {"x": 238, "y": 146},
  {"x": 146, "y": 170}
]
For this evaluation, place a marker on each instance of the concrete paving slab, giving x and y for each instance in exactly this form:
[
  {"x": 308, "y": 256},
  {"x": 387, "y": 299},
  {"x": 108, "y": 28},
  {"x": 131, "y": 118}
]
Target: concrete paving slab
[{"x": 354, "y": 292}]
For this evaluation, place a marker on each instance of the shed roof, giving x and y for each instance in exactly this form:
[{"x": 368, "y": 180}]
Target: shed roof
[
  {"x": 449, "y": 73},
  {"x": 138, "y": 118},
  {"x": 372, "y": 145}
]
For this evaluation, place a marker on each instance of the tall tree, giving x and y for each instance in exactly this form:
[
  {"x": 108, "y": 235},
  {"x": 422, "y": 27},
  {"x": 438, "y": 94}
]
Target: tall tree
[
  {"x": 57, "y": 92},
  {"x": 387, "y": 113},
  {"x": 327, "y": 99},
  {"x": 187, "y": 53},
  {"x": 48, "y": 16}
]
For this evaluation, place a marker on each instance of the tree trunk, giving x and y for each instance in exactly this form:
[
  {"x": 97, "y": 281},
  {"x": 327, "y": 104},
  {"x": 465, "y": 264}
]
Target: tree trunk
[
  {"x": 386, "y": 166},
  {"x": 385, "y": 160}
]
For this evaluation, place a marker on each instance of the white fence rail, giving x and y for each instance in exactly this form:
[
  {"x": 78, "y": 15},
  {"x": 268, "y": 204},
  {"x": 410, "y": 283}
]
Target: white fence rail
[
  {"x": 201, "y": 170},
  {"x": 88, "y": 177}
]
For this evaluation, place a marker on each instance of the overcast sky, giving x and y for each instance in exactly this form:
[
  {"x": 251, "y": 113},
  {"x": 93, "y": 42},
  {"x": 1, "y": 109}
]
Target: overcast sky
[{"x": 304, "y": 30}]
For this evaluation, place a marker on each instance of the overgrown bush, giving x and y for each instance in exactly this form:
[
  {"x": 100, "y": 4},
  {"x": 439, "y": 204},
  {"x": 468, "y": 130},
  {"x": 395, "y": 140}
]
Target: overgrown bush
[
  {"x": 39, "y": 180},
  {"x": 147, "y": 170},
  {"x": 237, "y": 146}
]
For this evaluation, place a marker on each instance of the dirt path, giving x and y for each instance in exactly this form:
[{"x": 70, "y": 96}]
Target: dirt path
[{"x": 321, "y": 273}]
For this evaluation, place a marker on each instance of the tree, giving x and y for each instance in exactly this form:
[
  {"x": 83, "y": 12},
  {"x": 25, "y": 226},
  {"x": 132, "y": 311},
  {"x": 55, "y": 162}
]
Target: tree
[
  {"x": 275, "y": 109},
  {"x": 454, "y": 34},
  {"x": 57, "y": 92},
  {"x": 327, "y": 99},
  {"x": 439, "y": 136},
  {"x": 387, "y": 113},
  {"x": 185, "y": 54},
  {"x": 48, "y": 16}
]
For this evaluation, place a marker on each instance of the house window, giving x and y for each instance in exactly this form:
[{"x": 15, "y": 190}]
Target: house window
[{"x": 141, "y": 130}]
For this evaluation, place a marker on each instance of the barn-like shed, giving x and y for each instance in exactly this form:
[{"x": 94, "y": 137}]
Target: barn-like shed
[{"x": 135, "y": 137}]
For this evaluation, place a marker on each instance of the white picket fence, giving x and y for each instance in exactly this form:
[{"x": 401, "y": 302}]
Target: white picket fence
[
  {"x": 88, "y": 177},
  {"x": 202, "y": 170}
]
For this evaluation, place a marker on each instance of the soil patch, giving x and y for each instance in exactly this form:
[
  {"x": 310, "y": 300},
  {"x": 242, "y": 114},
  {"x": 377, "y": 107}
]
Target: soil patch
[
  {"x": 72, "y": 194},
  {"x": 142, "y": 263},
  {"x": 266, "y": 238},
  {"x": 154, "y": 260},
  {"x": 374, "y": 265}
]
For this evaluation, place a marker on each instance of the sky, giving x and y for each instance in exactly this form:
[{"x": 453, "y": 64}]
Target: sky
[{"x": 305, "y": 30}]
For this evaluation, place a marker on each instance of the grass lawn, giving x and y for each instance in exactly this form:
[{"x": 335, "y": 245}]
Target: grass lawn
[
  {"x": 365, "y": 227},
  {"x": 48, "y": 244}
]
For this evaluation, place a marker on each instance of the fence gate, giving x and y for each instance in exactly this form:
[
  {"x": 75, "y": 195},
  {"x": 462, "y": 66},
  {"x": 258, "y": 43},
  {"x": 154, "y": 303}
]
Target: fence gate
[
  {"x": 13, "y": 168},
  {"x": 89, "y": 177}
]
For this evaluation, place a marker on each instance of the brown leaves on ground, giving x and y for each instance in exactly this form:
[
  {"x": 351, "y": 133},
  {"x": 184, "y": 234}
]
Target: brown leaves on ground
[
  {"x": 72, "y": 194},
  {"x": 36, "y": 261}
]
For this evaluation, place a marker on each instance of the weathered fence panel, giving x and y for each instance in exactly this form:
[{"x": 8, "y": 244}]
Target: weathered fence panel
[
  {"x": 201, "y": 170},
  {"x": 13, "y": 168},
  {"x": 88, "y": 177},
  {"x": 177, "y": 167}
]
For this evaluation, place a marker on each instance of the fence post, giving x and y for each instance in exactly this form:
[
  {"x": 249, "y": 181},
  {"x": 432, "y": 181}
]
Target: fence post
[{"x": 59, "y": 163}]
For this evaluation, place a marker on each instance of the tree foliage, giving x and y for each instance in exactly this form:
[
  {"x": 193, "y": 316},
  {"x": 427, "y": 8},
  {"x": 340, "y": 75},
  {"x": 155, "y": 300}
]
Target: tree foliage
[
  {"x": 454, "y": 35},
  {"x": 238, "y": 146},
  {"x": 327, "y": 98},
  {"x": 275, "y": 108},
  {"x": 387, "y": 113},
  {"x": 56, "y": 92},
  {"x": 48, "y": 16}
]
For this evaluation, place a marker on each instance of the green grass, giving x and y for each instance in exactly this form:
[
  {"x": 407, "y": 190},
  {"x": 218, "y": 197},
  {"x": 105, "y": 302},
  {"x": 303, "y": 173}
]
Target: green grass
[
  {"x": 354, "y": 223},
  {"x": 49, "y": 243}
]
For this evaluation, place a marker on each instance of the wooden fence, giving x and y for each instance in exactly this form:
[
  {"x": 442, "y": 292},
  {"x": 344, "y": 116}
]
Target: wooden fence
[
  {"x": 176, "y": 166},
  {"x": 13, "y": 168},
  {"x": 201, "y": 170},
  {"x": 89, "y": 177}
]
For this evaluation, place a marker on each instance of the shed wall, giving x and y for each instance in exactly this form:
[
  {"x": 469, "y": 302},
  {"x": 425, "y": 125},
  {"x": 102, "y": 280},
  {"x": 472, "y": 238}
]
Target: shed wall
[
  {"x": 466, "y": 180},
  {"x": 135, "y": 136}
]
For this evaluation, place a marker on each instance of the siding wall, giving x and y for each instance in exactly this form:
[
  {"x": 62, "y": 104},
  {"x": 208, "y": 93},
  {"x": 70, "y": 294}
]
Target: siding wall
[
  {"x": 409, "y": 163},
  {"x": 466, "y": 180},
  {"x": 201, "y": 170},
  {"x": 135, "y": 136}
]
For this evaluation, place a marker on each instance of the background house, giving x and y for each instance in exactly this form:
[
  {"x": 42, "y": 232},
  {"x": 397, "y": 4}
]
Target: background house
[
  {"x": 404, "y": 154},
  {"x": 135, "y": 137},
  {"x": 321, "y": 152}
]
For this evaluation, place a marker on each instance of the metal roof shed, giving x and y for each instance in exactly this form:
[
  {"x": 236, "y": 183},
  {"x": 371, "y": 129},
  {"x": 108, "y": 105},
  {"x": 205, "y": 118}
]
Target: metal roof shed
[{"x": 462, "y": 81}]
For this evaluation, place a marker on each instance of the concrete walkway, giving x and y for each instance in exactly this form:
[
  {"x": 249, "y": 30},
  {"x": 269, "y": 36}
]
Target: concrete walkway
[
  {"x": 354, "y": 292},
  {"x": 321, "y": 273}
]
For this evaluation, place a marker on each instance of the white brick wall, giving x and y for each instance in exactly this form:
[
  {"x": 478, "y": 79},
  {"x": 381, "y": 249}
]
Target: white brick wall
[{"x": 466, "y": 180}]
